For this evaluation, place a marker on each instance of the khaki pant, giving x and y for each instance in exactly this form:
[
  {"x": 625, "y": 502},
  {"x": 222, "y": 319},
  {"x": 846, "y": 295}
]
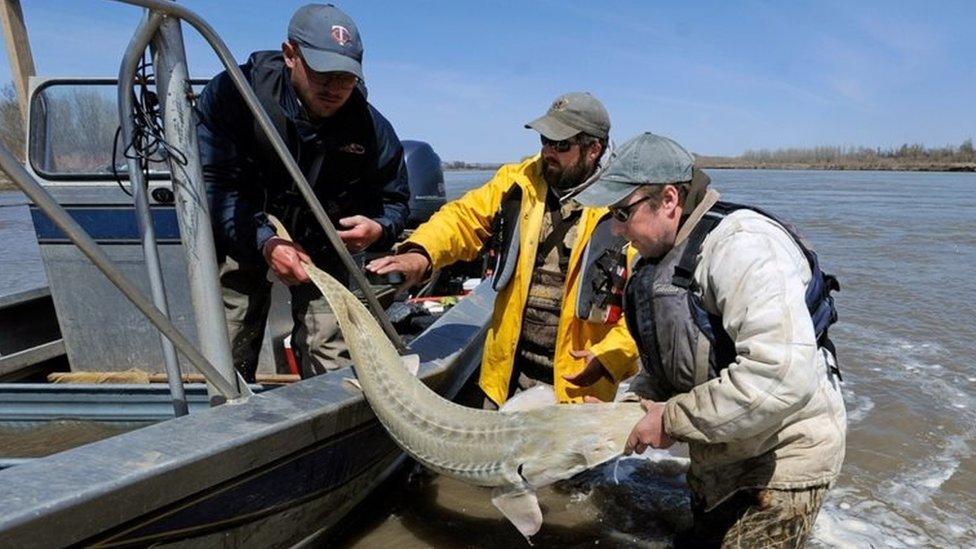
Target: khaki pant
[
  {"x": 316, "y": 338},
  {"x": 756, "y": 518}
]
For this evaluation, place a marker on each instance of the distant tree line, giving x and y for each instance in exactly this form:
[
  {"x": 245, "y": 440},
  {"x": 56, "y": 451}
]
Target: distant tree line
[
  {"x": 11, "y": 127},
  {"x": 963, "y": 153},
  {"x": 11, "y": 121},
  {"x": 79, "y": 130},
  {"x": 906, "y": 157},
  {"x": 77, "y": 133},
  {"x": 461, "y": 165}
]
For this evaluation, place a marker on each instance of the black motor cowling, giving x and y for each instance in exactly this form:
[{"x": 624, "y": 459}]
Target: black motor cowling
[{"x": 426, "y": 181}]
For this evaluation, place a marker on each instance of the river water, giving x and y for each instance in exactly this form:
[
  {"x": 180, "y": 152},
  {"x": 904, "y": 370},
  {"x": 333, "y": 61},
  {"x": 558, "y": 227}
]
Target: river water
[{"x": 904, "y": 248}]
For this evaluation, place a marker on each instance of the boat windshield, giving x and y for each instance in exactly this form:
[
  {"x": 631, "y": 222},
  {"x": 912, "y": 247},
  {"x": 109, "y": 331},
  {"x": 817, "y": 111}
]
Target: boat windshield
[{"x": 73, "y": 127}]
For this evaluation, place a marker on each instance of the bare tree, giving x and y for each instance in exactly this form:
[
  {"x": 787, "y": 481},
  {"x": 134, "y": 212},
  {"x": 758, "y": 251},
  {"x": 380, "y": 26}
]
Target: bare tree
[
  {"x": 11, "y": 127},
  {"x": 79, "y": 126},
  {"x": 11, "y": 121}
]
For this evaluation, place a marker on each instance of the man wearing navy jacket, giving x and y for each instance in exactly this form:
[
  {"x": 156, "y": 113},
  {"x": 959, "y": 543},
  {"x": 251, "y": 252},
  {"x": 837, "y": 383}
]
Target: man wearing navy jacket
[{"x": 313, "y": 92}]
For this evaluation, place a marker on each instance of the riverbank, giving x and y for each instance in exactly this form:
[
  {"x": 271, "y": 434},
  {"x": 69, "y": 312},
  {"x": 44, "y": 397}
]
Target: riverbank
[
  {"x": 727, "y": 163},
  {"x": 720, "y": 163},
  {"x": 888, "y": 165}
]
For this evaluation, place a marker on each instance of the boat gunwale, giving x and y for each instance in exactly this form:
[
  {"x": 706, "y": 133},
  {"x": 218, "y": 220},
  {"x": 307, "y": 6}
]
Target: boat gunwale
[{"x": 77, "y": 494}]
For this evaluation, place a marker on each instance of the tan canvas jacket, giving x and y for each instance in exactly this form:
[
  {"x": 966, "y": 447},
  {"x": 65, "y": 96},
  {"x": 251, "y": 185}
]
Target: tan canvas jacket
[{"x": 774, "y": 418}]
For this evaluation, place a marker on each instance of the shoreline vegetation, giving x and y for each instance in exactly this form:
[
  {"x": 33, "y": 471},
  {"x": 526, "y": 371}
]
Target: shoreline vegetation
[
  {"x": 908, "y": 158},
  {"x": 915, "y": 157}
]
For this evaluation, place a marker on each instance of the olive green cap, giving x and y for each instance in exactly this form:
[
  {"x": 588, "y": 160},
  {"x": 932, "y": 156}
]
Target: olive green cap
[
  {"x": 647, "y": 159},
  {"x": 573, "y": 113}
]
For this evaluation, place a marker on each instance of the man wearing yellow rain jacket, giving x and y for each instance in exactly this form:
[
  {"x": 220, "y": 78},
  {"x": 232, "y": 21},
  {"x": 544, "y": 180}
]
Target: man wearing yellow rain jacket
[{"x": 556, "y": 266}]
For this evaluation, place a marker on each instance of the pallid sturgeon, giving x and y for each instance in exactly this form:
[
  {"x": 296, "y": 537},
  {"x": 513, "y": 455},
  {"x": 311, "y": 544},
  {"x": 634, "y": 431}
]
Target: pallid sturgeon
[{"x": 513, "y": 452}]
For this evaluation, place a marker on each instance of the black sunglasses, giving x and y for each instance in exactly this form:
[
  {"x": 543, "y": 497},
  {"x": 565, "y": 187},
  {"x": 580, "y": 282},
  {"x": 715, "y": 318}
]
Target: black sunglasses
[
  {"x": 342, "y": 80},
  {"x": 559, "y": 146},
  {"x": 623, "y": 213}
]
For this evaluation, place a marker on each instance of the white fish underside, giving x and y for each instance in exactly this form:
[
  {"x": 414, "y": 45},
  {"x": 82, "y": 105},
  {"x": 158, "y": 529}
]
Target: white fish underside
[{"x": 513, "y": 452}]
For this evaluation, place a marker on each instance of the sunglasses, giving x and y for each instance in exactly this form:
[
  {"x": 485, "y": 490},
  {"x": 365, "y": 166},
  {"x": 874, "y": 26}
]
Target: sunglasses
[
  {"x": 342, "y": 80},
  {"x": 559, "y": 146},
  {"x": 623, "y": 213}
]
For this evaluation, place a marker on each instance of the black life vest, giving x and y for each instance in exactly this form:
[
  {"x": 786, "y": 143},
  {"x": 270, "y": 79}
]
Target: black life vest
[{"x": 604, "y": 261}]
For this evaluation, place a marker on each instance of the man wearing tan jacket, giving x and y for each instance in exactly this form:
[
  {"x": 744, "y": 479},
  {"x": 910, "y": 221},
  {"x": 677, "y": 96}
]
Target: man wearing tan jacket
[{"x": 730, "y": 311}]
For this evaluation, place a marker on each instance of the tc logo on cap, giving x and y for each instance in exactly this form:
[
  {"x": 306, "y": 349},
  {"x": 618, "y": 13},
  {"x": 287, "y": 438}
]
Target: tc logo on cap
[{"x": 340, "y": 34}]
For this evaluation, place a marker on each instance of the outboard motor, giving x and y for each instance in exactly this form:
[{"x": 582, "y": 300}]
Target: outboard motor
[{"x": 426, "y": 181}]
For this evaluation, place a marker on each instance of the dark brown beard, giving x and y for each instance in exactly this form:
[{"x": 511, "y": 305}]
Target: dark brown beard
[{"x": 564, "y": 179}]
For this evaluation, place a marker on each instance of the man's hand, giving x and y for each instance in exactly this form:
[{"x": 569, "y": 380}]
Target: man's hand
[
  {"x": 591, "y": 373},
  {"x": 360, "y": 232},
  {"x": 285, "y": 259},
  {"x": 649, "y": 431},
  {"x": 413, "y": 265}
]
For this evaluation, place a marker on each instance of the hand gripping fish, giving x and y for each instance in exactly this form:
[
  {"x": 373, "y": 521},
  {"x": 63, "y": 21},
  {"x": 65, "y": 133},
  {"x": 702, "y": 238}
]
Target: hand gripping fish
[{"x": 513, "y": 452}]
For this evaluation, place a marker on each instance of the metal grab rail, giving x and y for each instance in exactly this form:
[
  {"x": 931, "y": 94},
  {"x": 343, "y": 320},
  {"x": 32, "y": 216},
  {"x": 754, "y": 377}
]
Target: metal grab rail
[
  {"x": 25, "y": 181},
  {"x": 147, "y": 232},
  {"x": 210, "y": 35},
  {"x": 192, "y": 211}
]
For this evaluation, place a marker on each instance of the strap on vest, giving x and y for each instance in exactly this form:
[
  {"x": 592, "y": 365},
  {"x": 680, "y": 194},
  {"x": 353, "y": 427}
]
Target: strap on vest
[
  {"x": 639, "y": 312},
  {"x": 560, "y": 226},
  {"x": 819, "y": 302},
  {"x": 503, "y": 245},
  {"x": 293, "y": 211},
  {"x": 684, "y": 271},
  {"x": 266, "y": 80},
  {"x": 265, "y": 89}
]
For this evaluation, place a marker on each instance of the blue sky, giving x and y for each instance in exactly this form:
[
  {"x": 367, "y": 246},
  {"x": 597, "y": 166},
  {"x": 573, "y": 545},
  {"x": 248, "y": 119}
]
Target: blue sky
[{"x": 720, "y": 77}]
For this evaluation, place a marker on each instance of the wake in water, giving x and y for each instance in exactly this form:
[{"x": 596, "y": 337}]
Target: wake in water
[{"x": 908, "y": 478}]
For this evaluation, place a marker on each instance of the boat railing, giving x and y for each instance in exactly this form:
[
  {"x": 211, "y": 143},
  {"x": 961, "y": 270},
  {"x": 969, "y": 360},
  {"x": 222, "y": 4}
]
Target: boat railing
[
  {"x": 160, "y": 30},
  {"x": 179, "y": 12},
  {"x": 133, "y": 53}
]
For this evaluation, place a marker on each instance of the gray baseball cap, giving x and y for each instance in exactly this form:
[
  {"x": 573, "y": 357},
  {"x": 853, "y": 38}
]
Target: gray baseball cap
[
  {"x": 328, "y": 39},
  {"x": 647, "y": 159},
  {"x": 572, "y": 113}
]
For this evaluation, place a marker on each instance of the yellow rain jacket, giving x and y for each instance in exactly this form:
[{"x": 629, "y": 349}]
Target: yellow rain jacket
[{"x": 460, "y": 229}]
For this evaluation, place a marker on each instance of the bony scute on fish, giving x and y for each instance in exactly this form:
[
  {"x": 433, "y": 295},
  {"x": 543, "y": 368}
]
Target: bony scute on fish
[{"x": 514, "y": 452}]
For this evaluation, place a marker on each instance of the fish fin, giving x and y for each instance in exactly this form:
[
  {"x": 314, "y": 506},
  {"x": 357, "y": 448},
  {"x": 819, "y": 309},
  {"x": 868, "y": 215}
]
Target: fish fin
[
  {"x": 539, "y": 396},
  {"x": 521, "y": 507},
  {"x": 411, "y": 363},
  {"x": 597, "y": 449},
  {"x": 586, "y": 452}
]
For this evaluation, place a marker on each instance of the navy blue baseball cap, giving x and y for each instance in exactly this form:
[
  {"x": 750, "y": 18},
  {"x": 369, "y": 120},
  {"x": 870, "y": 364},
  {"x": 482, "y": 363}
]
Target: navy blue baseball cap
[{"x": 328, "y": 39}]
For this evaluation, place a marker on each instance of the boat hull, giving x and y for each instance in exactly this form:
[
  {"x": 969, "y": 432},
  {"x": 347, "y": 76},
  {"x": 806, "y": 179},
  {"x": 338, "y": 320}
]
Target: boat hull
[{"x": 286, "y": 464}]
